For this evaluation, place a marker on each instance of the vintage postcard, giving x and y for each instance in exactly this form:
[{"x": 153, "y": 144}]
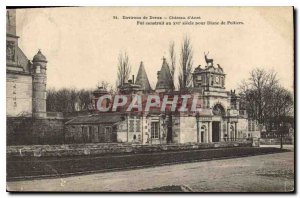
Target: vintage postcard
[{"x": 150, "y": 99}]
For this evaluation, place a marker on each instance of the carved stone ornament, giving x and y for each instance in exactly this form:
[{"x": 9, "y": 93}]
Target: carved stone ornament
[{"x": 10, "y": 51}]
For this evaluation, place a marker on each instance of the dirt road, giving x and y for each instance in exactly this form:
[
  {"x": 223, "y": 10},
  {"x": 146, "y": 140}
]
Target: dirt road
[{"x": 272, "y": 172}]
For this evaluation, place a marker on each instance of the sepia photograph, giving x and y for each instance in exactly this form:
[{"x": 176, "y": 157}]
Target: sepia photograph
[{"x": 150, "y": 99}]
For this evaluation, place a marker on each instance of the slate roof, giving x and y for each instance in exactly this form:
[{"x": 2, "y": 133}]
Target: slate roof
[
  {"x": 22, "y": 60},
  {"x": 164, "y": 78},
  {"x": 96, "y": 119},
  {"x": 142, "y": 79}
]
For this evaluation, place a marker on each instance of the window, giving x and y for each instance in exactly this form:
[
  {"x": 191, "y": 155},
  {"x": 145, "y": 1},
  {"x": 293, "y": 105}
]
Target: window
[
  {"x": 38, "y": 69},
  {"x": 203, "y": 129},
  {"x": 202, "y": 133},
  {"x": 154, "y": 130},
  {"x": 253, "y": 125},
  {"x": 107, "y": 129},
  {"x": 131, "y": 125},
  {"x": 231, "y": 131},
  {"x": 249, "y": 125},
  {"x": 138, "y": 125},
  {"x": 134, "y": 124}
]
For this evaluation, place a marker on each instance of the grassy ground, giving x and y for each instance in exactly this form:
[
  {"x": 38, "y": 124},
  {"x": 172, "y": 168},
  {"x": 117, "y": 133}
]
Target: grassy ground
[{"x": 172, "y": 188}]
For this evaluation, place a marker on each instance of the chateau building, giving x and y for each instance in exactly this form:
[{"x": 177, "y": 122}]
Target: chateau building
[{"x": 219, "y": 120}]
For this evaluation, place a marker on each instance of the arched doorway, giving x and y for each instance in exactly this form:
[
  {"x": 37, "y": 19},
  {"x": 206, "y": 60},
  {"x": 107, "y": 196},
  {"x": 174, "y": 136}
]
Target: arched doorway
[
  {"x": 215, "y": 131},
  {"x": 170, "y": 129},
  {"x": 218, "y": 110},
  {"x": 202, "y": 134}
]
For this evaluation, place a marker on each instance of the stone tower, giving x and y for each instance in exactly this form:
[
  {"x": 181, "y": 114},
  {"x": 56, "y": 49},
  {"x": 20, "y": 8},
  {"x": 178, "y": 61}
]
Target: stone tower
[
  {"x": 11, "y": 21},
  {"x": 39, "y": 81}
]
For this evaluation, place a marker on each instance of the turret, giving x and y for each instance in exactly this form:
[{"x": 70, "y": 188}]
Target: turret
[
  {"x": 39, "y": 82},
  {"x": 210, "y": 77},
  {"x": 164, "y": 78}
]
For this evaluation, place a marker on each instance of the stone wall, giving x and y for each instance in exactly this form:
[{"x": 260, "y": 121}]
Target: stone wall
[
  {"x": 188, "y": 129},
  {"x": 48, "y": 131},
  {"x": 19, "y": 131},
  {"x": 111, "y": 148},
  {"x": 90, "y": 133},
  {"x": 24, "y": 131}
]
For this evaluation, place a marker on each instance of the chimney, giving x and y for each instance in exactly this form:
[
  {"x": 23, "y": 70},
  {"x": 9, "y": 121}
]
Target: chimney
[{"x": 132, "y": 79}]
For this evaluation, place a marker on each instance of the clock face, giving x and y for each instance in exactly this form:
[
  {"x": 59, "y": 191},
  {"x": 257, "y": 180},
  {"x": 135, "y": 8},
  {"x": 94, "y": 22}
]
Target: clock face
[{"x": 217, "y": 79}]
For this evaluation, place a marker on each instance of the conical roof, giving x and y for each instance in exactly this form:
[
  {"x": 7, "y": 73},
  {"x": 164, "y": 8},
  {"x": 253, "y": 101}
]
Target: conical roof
[
  {"x": 142, "y": 78},
  {"x": 39, "y": 57},
  {"x": 164, "y": 77}
]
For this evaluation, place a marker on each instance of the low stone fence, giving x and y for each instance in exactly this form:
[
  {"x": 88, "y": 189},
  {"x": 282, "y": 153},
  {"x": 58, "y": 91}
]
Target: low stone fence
[
  {"x": 109, "y": 148},
  {"x": 275, "y": 141}
]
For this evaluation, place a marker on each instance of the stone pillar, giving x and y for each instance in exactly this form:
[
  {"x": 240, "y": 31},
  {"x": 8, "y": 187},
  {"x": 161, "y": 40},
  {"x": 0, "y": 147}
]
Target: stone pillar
[
  {"x": 235, "y": 131},
  {"x": 231, "y": 133},
  {"x": 206, "y": 134},
  {"x": 228, "y": 132},
  {"x": 221, "y": 132},
  {"x": 199, "y": 132},
  {"x": 210, "y": 131},
  {"x": 128, "y": 129}
]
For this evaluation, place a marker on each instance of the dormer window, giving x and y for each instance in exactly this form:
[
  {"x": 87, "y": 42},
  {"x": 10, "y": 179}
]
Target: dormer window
[
  {"x": 38, "y": 69},
  {"x": 199, "y": 78}
]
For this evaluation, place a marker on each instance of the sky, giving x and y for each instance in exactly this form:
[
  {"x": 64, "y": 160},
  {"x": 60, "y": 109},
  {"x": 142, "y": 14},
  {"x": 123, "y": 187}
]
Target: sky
[{"x": 82, "y": 44}]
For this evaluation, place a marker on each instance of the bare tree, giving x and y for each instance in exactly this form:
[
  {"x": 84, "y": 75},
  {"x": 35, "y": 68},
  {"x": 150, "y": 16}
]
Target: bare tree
[
  {"x": 103, "y": 84},
  {"x": 280, "y": 108},
  {"x": 65, "y": 99},
  {"x": 51, "y": 100},
  {"x": 172, "y": 60},
  {"x": 186, "y": 65},
  {"x": 284, "y": 102},
  {"x": 124, "y": 69},
  {"x": 85, "y": 98},
  {"x": 266, "y": 101},
  {"x": 106, "y": 86},
  {"x": 257, "y": 93}
]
